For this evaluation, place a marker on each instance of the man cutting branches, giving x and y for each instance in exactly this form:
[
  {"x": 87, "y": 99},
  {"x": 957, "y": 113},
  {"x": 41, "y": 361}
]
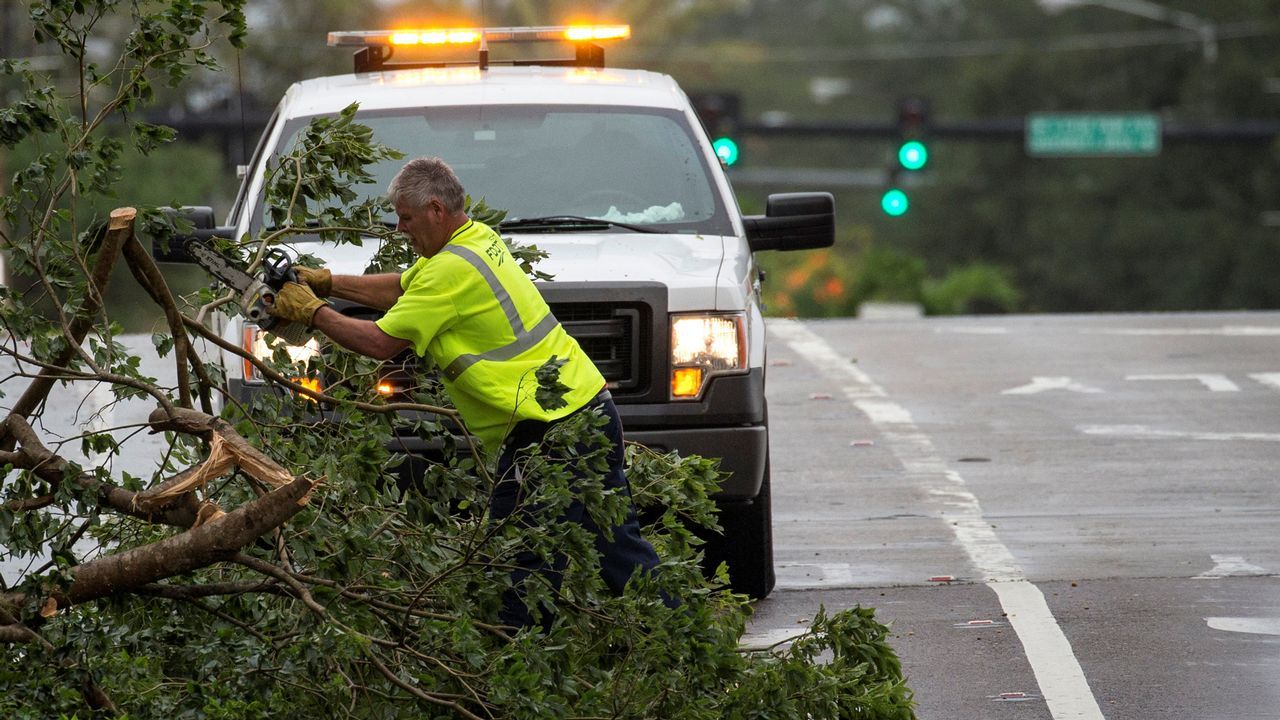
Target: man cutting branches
[{"x": 468, "y": 305}]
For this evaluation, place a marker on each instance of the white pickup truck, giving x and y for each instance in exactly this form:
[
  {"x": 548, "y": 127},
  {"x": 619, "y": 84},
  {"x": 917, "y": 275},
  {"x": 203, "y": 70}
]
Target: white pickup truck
[{"x": 659, "y": 284}]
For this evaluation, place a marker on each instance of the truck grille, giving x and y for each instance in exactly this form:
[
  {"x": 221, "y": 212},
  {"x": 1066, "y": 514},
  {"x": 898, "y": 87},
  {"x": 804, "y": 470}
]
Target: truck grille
[
  {"x": 609, "y": 335},
  {"x": 620, "y": 325}
]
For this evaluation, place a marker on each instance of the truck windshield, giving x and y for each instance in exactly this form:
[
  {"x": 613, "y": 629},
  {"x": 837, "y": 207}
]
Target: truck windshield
[{"x": 635, "y": 166}]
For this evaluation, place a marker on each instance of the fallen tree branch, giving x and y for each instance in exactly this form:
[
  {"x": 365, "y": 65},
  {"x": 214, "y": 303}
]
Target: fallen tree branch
[
  {"x": 95, "y": 697},
  {"x": 13, "y": 631},
  {"x": 213, "y": 542},
  {"x": 195, "y": 592},
  {"x": 283, "y": 576},
  {"x": 34, "y": 456},
  {"x": 17, "y": 633},
  {"x": 144, "y": 270},
  {"x": 457, "y": 707},
  {"x": 226, "y": 446}
]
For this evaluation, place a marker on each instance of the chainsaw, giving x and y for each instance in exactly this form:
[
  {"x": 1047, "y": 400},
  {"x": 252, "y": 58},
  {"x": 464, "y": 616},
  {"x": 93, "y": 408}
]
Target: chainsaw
[{"x": 257, "y": 294}]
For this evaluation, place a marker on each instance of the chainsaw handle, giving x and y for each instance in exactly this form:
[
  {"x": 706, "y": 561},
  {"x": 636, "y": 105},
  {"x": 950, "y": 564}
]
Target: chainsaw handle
[{"x": 277, "y": 269}]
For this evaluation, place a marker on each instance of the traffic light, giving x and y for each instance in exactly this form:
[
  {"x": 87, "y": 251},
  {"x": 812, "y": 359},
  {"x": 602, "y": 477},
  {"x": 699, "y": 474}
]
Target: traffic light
[
  {"x": 720, "y": 113},
  {"x": 726, "y": 149},
  {"x": 912, "y": 155},
  {"x": 894, "y": 202},
  {"x": 913, "y": 125}
]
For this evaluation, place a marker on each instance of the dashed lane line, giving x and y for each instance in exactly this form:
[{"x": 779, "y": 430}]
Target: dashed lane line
[
  {"x": 1215, "y": 382},
  {"x": 1144, "y": 432},
  {"x": 1062, "y": 682}
]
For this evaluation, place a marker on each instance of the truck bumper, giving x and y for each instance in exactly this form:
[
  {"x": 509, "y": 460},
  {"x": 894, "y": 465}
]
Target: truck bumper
[
  {"x": 729, "y": 422},
  {"x": 743, "y": 452}
]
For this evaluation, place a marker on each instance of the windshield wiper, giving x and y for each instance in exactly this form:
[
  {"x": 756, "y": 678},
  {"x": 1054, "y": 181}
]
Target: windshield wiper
[{"x": 569, "y": 223}]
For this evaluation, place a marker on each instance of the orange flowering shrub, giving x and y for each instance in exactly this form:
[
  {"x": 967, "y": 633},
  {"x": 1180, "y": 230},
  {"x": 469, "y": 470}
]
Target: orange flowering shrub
[{"x": 813, "y": 284}]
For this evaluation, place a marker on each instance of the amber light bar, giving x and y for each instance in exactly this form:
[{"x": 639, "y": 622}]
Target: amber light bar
[{"x": 472, "y": 36}]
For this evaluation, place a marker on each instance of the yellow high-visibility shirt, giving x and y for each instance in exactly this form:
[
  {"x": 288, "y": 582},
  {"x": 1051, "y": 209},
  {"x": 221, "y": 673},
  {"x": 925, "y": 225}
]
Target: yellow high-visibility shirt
[{"x": 486, "y": 326}]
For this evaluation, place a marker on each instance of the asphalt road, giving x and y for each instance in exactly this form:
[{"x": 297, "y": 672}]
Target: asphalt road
[{"x": 1061, "y": 516}]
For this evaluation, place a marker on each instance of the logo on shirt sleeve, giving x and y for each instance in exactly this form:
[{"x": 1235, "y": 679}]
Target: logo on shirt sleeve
[{"x": 496, "y": 252}]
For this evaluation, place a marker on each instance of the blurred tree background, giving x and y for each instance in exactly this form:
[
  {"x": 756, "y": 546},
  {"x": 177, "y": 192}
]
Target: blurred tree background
[{"x": 990, "y": 228}]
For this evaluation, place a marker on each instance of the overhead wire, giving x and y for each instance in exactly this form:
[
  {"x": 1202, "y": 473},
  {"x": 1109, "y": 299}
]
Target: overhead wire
[{"x": 948, "y": 49}]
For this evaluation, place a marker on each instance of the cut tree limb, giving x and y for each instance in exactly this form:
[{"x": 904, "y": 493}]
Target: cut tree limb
[
  {"x": 152, "y": 281},
  {"x": 226, "y": 446},
  {"x": 218, "y": 540},
  {"x": 214, "y": 535},
  {"x": 34, "y": 456}
]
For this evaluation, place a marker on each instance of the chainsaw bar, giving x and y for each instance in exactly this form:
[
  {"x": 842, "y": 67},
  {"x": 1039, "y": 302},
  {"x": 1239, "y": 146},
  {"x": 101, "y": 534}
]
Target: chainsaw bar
[
  {"x": 217, "y": 265},
  {"x": 255, "y": 295}
]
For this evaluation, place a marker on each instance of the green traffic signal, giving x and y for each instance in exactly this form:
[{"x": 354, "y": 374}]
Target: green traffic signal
[
  {"x": 726, "y": 149},
  {"x": 894, "y": 202},
  {"x": 913, "y": 155}
]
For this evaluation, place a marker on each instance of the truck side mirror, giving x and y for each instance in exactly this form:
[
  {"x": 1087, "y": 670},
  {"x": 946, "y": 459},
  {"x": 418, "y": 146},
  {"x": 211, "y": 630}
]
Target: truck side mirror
[
  {"x": 173, "y": 248},
  {"x": 793, "y": 221}
]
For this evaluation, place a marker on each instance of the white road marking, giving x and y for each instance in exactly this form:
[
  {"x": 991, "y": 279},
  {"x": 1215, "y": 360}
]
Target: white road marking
[
  {"x": 1143, "y": 432},
  {"x": 1213, "y": 381},
  {"x": 1268, "y": 379},
  {"x": 1253, "y": 626},
  {"x": 972, "y": 330},
  {"x": 812, "y": 576},
  {"x": 1225, "y": 330},
  {"x": 883, "y": 412},
  {"x": 1042, "y": 384},
  {"x": 769, "y": 638},
  {"x": 1062, "y": 682},
  {"x": 1231, "y": 566}
]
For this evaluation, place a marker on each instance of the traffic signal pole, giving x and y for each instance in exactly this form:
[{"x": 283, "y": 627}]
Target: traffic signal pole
[
  {"x": 894, "y": 198},
  {"x": 1013, "y": 129}
]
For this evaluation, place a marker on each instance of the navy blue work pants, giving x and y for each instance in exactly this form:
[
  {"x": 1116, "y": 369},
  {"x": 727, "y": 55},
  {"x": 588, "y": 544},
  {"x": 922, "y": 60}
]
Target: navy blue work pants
[{"x": 620, "y": 556}]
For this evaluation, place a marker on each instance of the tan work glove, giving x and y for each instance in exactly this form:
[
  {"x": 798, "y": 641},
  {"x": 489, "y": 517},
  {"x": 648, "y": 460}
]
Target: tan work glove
[
  {"x": 319, "y": 279},
  {"x": 296, "y": 303}
]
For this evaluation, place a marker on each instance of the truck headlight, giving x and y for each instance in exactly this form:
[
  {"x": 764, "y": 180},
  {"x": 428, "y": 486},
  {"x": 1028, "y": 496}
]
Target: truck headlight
[
  {"x": 263, "y": 347},
  {"x": 703, "y": 346}
]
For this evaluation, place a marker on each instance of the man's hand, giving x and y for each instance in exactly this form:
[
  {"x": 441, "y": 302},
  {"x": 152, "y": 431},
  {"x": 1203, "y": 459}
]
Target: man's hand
[
  {"x": 320, "y": 280},
  {"x": 296, "y": 303}
]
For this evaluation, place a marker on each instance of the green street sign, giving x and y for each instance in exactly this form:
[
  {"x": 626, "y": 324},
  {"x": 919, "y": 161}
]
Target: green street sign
[{"x": 1093, "y": 134}]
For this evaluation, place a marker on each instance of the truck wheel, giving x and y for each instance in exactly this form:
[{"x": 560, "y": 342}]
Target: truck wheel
[{"x": 747, "y": 543}]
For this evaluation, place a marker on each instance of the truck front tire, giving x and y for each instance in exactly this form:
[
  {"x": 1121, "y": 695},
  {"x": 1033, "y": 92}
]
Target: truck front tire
[{"x": 747, "y": 544}]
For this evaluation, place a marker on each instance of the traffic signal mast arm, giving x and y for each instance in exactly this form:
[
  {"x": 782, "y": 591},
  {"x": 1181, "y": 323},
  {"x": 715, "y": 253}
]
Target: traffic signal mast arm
[{"x": 1013, "y": 129}]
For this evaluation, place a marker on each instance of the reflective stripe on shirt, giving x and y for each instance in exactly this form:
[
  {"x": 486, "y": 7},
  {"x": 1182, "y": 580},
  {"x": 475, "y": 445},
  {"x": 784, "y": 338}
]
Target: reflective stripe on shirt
[
  {"x": 525, "y": 338},
  {"x": 500, "y": 292}
]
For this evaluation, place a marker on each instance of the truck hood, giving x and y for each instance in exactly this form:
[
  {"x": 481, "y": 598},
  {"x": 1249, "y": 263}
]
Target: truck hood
[
  {"x": 691, "y": 266},
  {"x": 676, "y": 260}
]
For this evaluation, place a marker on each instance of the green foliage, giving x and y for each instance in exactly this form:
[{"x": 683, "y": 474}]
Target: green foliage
[
  {"x": 380, "y": 598},
  {"x": 970, "y": 290},
  {"x": 550, "y": 393},
  {"x": 314, "y": 183},
  {"x": 889, "y": 275}
]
